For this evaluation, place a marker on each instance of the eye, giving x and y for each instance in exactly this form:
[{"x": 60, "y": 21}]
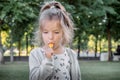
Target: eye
[
  {"x": 45, "y": 32},
  {"x": 56, "y": 32}
]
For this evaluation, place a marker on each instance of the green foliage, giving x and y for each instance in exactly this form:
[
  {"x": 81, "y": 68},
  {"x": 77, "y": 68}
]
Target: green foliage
[
  {"x": 18, "y": 15},
  {"x": 90, "y": 17}
]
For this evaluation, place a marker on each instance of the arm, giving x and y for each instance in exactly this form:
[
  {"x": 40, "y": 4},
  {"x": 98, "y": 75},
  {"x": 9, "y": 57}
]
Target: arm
[
  {"x": 75, "y": 68},
  {"x": 41, "y": 68},
  {"x": 77, "y": 65}
]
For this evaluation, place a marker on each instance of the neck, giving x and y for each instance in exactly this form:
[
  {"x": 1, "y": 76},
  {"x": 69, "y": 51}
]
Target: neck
[{"x": 59, "y": 50}]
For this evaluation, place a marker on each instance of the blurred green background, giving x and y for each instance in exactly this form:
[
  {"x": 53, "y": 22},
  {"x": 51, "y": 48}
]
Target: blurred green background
[
  {"x": 97, "y": 31},
  {"x": 90, "y": 70},
  {"x": 96, "y": 22}
]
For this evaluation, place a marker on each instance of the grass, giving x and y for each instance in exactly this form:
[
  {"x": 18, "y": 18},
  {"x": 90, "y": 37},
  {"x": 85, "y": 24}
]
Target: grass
[
  {"x": 97, "y": 70},
  {"x": 14, "y": 71},
  {"x": 91, "y": 70}
]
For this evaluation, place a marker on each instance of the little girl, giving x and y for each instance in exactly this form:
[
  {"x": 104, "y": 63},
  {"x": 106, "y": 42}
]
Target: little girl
[{"x": 53, "y": 61}]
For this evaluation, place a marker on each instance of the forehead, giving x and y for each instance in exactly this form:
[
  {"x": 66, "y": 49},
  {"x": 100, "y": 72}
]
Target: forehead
[{"x": 51, "y": 25}]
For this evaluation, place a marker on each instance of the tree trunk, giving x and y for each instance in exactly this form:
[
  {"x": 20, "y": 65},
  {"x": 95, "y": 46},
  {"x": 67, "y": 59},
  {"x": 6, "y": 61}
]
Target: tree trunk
[
  {"x": 109, "y": 37},
  {"x": 11, "y": 54},
  {"x": 100, "y": 46},
  {"x": 19, "y": 48},
  {"x": 26, "y": 45},
  {"x": 11, "y": 50},
  {"x": 1, "y": 57},
  {"x": 78, "y": 47},
  {"x": 1, "y": 50},
  {"x": 109, "y": 44},
  {"x": 96, "y": 41}
]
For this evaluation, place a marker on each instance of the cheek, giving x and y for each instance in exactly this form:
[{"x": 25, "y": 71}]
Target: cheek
[
  {"x": 44, "y": 38},
  {"x": 60, "y": 38}
]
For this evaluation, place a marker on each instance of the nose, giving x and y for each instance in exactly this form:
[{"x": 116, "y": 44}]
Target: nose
[{"x": 51, "y": 36}]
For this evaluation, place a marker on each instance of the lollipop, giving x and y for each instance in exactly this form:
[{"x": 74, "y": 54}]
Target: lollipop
[{"x": 51, "y": 45}]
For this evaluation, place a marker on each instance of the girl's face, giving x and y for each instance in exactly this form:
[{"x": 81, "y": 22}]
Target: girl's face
[{"x": 52, "y": 33}]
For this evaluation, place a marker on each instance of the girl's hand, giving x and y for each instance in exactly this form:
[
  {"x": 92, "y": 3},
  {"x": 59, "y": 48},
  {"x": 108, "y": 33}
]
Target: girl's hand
[{"x": 49, "y": 52}]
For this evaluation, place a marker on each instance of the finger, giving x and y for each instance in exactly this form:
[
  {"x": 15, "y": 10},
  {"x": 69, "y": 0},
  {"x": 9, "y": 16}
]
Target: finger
[{"x": 51, "y": 53}]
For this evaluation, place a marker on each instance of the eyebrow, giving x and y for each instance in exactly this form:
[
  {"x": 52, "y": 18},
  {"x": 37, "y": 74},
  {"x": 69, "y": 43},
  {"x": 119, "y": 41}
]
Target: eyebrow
[{"x": 56, "y": 29}]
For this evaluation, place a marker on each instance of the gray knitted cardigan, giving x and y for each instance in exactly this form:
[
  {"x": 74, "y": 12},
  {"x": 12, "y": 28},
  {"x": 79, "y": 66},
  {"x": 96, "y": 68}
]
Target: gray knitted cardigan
[{"x": 41, "y": 68}]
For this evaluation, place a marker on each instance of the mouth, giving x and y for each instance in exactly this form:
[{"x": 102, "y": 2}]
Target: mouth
[{"x": 51, "y": 45}]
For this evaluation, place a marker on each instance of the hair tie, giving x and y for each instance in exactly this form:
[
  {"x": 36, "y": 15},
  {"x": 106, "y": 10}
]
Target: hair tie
[{"x": 52, "y": 7}]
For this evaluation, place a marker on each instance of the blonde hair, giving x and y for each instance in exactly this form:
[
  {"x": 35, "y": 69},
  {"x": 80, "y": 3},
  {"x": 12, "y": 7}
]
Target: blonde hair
[{"x": 54, "y": 10}]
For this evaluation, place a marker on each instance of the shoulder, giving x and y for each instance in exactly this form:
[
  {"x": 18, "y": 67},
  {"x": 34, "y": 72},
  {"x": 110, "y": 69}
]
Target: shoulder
[
  {"x": 71, "y": 52},
  {"x": 36, "y": 51},
  {"x": 69, "y": 49}
]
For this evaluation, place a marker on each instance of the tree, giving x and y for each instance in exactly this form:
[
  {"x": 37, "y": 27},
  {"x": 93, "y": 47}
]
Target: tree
[
  {"x": 89, "y": 14},
  {"x": 17, "y": 15}
]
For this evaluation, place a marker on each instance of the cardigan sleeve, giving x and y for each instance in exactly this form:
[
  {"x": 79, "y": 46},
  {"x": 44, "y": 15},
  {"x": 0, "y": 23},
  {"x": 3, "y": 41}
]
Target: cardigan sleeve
[
  {"x": 77, "y": 65},
  {"x": 40, "y": 67},
  {"x": 75, "y": 68}
]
